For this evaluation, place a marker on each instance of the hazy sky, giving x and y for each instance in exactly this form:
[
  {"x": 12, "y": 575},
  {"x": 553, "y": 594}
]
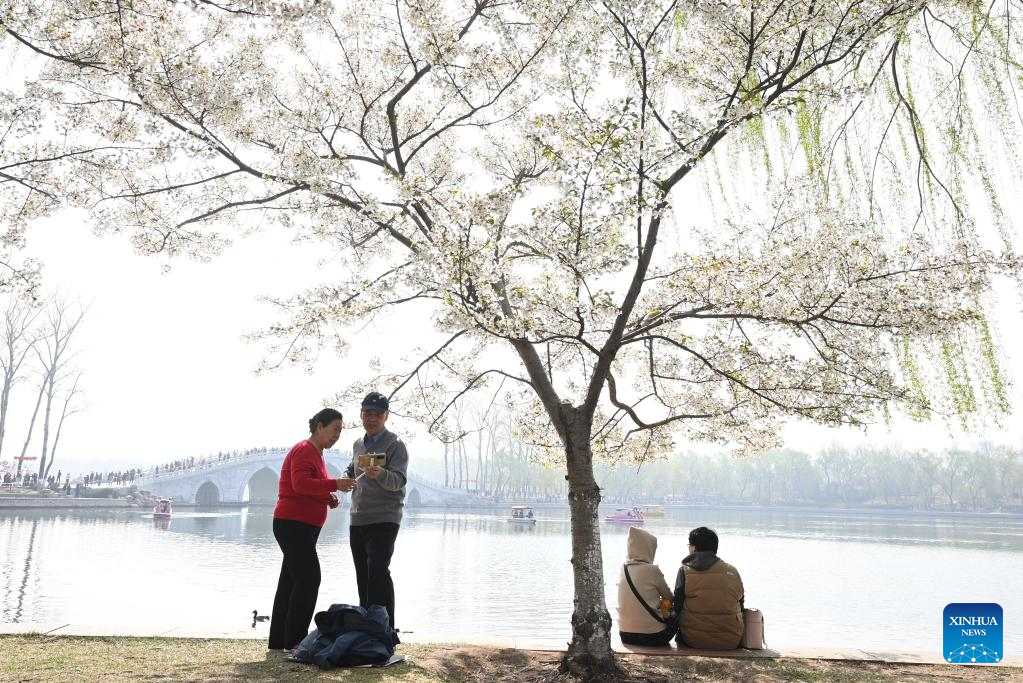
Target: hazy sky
[{"x": 167, "y": 374}]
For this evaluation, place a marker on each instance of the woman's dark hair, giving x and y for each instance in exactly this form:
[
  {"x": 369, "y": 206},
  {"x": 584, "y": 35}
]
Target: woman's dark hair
[{"x": 324, "y": 418}]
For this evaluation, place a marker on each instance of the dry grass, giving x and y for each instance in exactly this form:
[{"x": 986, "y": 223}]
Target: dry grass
[{"x": 68, "y": 658}]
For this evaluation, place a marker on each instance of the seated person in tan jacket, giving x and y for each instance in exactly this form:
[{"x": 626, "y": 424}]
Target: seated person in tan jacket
[
  {"x": 640, "y": 620},
  {"x": 708, "y": 596}
]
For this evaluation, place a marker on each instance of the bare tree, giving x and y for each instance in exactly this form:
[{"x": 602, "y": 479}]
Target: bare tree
[
  {"x": 54, "y": 353},
  {"x": 952, "y": 468},
  {"x": 31, "y": 428},
  {"x": 16, "y": 341},
  {"x": 67, "y": 410}
]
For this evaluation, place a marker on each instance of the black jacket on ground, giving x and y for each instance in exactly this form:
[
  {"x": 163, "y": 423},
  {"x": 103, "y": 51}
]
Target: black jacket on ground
[{"x": 348, "y": 635}]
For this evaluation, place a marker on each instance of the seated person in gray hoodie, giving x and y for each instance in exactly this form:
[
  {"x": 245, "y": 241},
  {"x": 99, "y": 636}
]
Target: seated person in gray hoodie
[{"x": 641, "y": 590}]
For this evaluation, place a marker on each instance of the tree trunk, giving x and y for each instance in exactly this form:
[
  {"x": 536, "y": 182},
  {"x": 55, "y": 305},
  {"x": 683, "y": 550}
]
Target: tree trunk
[
  {"x": 496, "y": 485},
  {"x": 589, "y": 654},
  {"x": 5, "y": 395},
  {"x": 479, "y": 459},
  {"x": 460, "y": 457},
  {"x": 446, "y": 446},
  {"x": 60, "y": 424},
  {"x": 16, "y": 326},
  {"x": 31, "y": 426},
  {"x": 51, "y": 381}
]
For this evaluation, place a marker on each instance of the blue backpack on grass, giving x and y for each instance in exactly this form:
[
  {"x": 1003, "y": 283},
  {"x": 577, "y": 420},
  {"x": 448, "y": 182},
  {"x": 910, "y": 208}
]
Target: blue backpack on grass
[{"x": 348, "y": 635}]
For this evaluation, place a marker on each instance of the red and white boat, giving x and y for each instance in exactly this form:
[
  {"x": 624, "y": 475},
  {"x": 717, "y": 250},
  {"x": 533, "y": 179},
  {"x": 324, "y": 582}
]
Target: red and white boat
[
  {"x": 625, "y": 515},
  {"x": 162, "y": 509}
]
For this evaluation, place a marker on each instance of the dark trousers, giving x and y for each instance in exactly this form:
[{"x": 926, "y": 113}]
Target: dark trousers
[
  {"x": 372, "y": 547},
  {"x": 299, "y": 583},
  {"x": 659, "y": 638}
]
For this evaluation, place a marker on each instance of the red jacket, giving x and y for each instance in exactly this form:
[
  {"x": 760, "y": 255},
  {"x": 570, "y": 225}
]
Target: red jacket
[{"x": 305, "y": 486}]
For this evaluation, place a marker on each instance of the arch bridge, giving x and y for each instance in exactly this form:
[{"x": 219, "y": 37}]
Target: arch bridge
[{"x": 253, "y": 478}]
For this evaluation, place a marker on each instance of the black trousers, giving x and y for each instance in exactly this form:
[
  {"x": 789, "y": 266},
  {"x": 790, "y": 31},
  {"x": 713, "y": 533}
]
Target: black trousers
[
  {"x": 372, "y": 547},
  {"x": 299, "y": 583},
  {"x": 659, "y": 638}
]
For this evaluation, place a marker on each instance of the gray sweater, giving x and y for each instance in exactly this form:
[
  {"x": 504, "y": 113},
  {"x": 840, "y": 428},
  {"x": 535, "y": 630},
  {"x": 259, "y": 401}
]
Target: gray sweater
[{"x": 381, "y": 499}]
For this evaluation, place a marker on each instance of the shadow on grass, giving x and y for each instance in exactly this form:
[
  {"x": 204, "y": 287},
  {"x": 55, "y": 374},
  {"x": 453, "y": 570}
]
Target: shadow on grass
[
  {"x": 276, "y": 667},
  {"x": 57, "y": 659},
  {"x": 476, "y": 666}
]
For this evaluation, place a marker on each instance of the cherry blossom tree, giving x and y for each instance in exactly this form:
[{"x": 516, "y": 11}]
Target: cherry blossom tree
[
  {"x": 21, "y": 195},
  {"x": 640, "y": 222}
]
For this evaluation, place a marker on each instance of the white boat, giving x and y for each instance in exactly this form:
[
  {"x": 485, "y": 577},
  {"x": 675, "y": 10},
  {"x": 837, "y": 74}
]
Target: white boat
[
  {"x": 652, "y": 510},
  {"x": 522, "y": 514}
]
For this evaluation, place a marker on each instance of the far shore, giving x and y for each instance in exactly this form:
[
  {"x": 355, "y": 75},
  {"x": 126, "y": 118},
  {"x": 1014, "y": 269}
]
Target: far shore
[{"x": 26, "y": 501}]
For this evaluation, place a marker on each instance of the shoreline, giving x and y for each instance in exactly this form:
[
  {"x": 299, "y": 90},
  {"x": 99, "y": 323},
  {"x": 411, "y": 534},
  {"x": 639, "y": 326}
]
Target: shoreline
[
  {"x": 56, "y": 658},
  {"x": 15, "y": 501},
  {"x": 552, "y": 645}
]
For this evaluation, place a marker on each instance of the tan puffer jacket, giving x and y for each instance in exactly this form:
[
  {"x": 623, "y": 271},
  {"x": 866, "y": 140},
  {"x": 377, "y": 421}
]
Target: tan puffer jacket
[
  {"x": 649, "y": 581},
  {"x": 712, "y": 609}
]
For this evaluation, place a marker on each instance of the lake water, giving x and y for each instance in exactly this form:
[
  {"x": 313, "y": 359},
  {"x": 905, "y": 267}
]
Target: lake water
[{"x": 822, "y": 579}]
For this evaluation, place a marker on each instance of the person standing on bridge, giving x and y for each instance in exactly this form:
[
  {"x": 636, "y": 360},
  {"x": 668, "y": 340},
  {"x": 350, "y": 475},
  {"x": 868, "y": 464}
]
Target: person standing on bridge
[
  {"x": 377, "y": 502},
  {"x": 306, "y": 491}
]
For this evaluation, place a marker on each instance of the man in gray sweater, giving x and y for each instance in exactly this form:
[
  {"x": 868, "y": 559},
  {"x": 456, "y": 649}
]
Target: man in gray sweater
[{"x": 377, "y": 502}]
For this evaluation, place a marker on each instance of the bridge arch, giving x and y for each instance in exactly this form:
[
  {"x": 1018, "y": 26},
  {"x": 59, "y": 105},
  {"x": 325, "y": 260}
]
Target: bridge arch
[
  {"x": 413, "y": 499},
  {"x": 208, "y": 494},
  {"x": 263, "y": 486}
]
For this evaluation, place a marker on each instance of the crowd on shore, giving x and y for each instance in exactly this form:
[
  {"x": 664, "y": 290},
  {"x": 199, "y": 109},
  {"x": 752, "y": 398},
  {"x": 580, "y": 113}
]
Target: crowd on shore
[
  {"x": 113, "y": 478},
  {"x": 124, "y": 477}
]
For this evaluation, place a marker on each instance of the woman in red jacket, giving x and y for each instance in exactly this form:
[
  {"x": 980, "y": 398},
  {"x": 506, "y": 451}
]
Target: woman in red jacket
[{"x": 305, "y": 494}]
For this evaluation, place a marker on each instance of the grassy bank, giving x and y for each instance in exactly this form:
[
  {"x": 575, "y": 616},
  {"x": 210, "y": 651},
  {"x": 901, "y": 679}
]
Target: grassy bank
[{"x": 67, "y": 658}]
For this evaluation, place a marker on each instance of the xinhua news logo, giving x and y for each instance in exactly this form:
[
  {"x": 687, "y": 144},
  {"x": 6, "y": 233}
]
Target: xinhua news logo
[{"x": 973, "y": 633}]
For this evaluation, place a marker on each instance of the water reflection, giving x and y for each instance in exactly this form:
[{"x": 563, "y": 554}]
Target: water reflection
[
  {"x": 472, "y": 572},
  {"x": 486, "y": 522},
  {"x": 254, "y": 525},
  {"x": 27, "y": 573}
]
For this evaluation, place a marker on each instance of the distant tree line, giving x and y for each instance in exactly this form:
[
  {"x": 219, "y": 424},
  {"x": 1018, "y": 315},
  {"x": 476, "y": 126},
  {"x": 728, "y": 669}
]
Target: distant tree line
[
  {"x": 489, "y": 458},
  {"x": 986, "y": 479}
]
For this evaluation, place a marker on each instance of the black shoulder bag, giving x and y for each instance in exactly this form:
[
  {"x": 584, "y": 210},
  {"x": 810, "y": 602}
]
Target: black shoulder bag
[{"x": 655, "y": 614}]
